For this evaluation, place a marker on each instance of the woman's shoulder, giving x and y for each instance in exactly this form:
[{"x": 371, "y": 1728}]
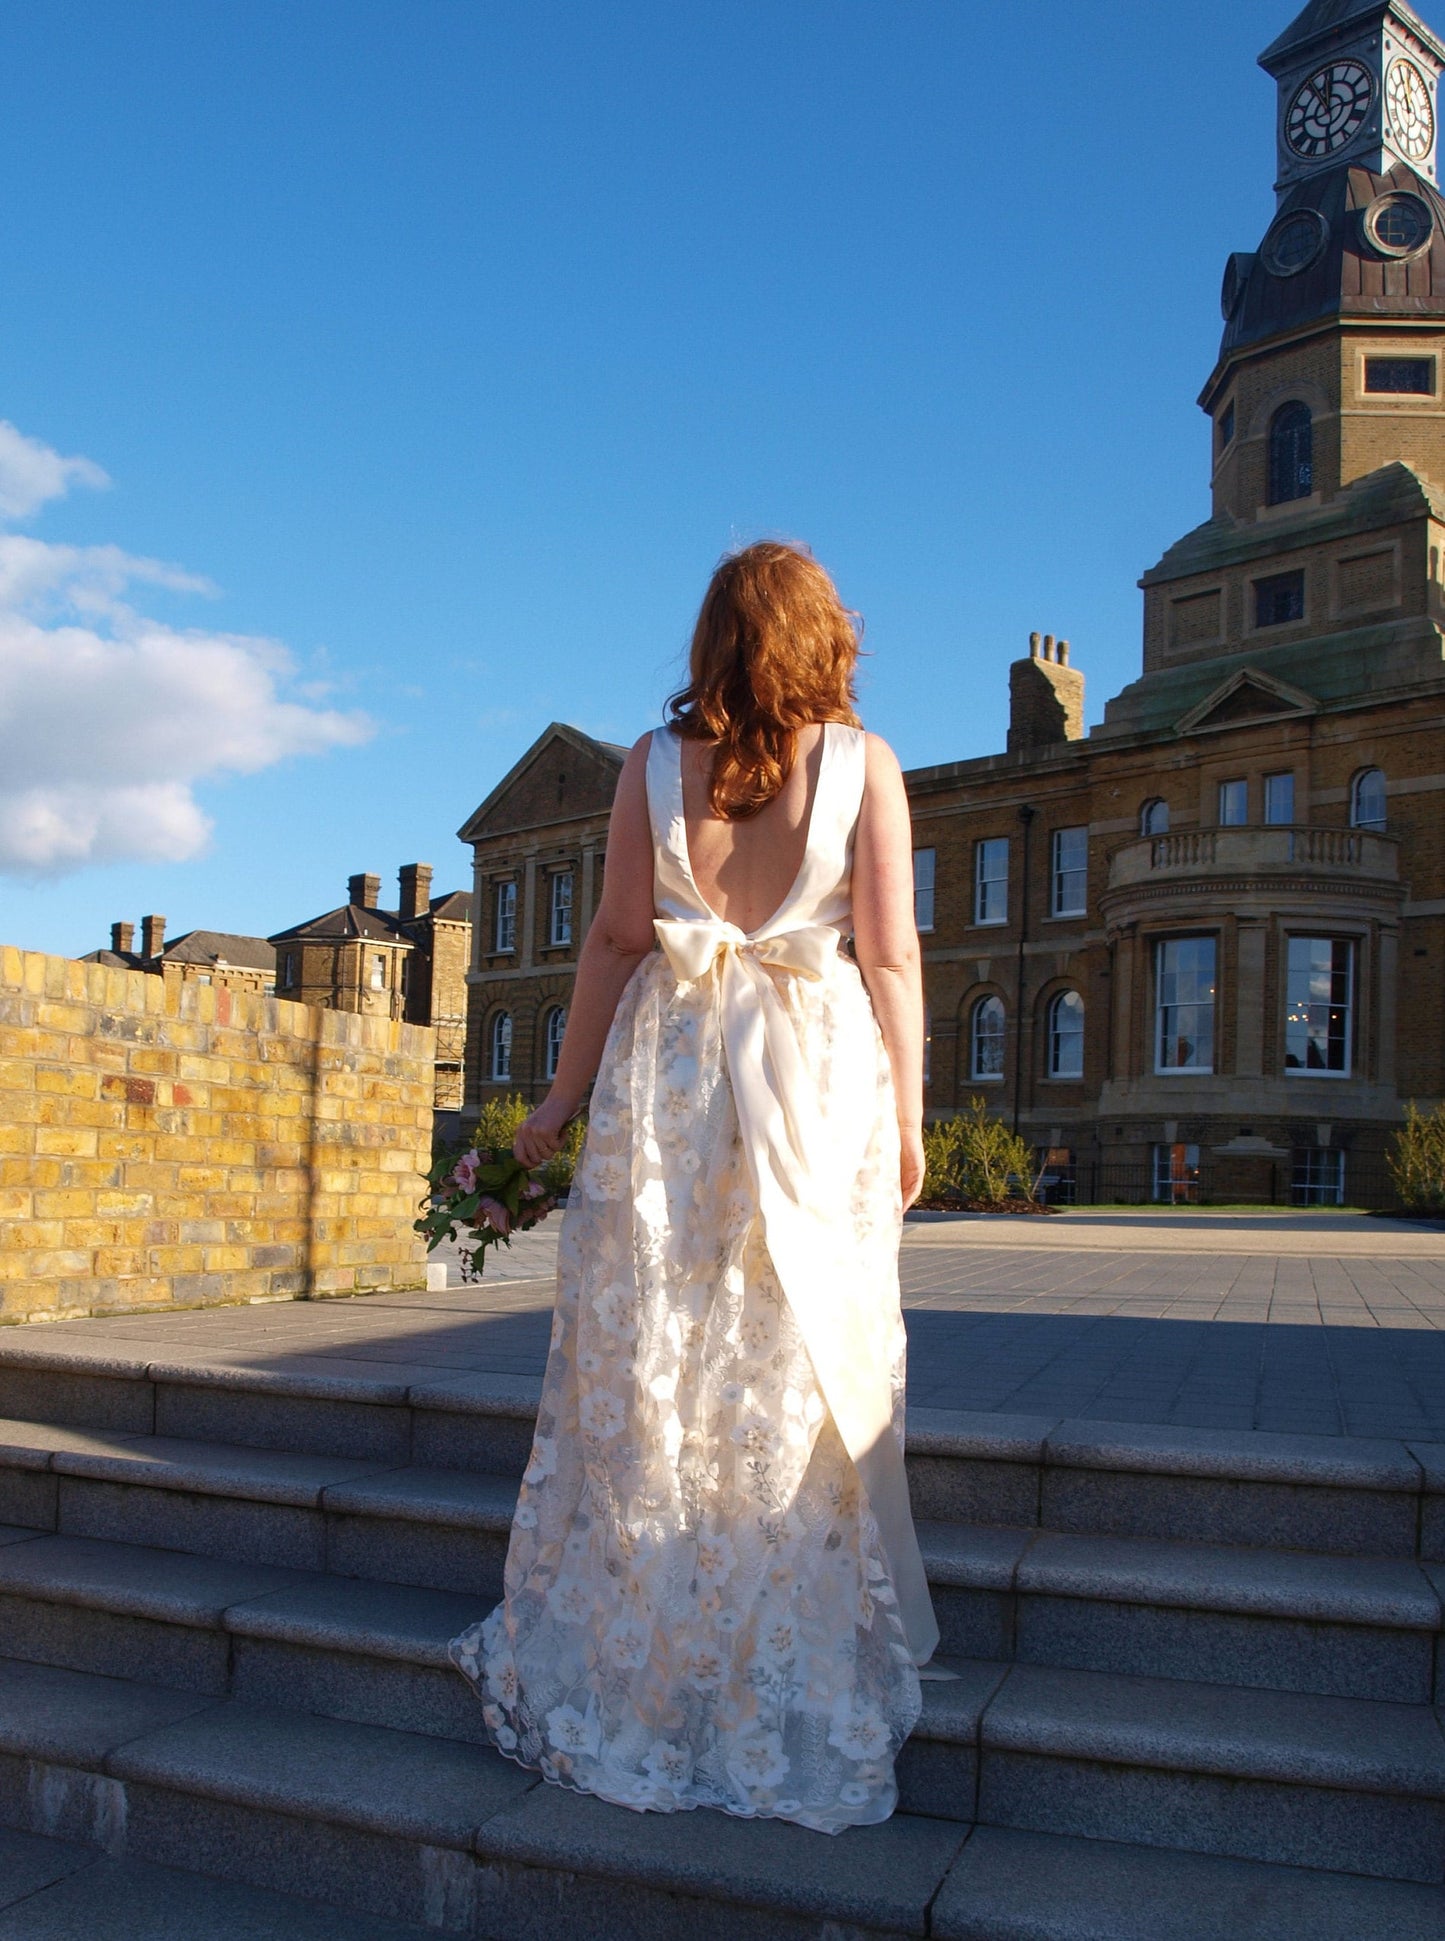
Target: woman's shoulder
[{"x": 879, "y": 755}]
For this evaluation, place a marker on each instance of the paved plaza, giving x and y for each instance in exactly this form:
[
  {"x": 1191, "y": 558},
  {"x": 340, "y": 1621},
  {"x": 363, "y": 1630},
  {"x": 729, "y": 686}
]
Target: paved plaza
[{"x": 1301, "y": 1323}]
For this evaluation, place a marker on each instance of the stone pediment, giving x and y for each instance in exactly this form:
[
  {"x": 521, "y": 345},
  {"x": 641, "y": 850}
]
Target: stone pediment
[
  {"x": 564, "y": 775},
  {"x": 1249, "y": 695}
]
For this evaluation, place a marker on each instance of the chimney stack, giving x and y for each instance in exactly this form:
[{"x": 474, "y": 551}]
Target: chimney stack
[
  {"x": 122, "y": 938},
  {"x": 1046, "y": 697},
  {"x": 152, "y": 936},
  {"x": 365, "y": 890},
  {"x": 415, "y": 880}
]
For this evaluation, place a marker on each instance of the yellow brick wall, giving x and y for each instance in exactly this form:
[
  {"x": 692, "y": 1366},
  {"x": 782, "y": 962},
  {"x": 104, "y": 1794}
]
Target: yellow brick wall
[{"x": 167, "y": 1144}]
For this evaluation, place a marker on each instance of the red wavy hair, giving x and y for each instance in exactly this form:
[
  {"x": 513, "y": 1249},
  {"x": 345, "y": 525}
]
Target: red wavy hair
[{"x": 774, "y": 649}]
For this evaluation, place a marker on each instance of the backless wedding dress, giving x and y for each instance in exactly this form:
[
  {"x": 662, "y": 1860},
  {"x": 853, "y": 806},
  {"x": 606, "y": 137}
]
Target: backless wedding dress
[{"x": 713, "y": 1591}]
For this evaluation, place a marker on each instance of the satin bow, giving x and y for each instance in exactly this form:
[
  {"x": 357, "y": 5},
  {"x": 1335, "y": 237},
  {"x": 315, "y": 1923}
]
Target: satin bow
[{"x": 693, "y": 948}]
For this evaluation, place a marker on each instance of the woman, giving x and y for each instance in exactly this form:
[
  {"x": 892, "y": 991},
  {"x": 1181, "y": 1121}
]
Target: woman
[{"x": 714, "y": 1595}]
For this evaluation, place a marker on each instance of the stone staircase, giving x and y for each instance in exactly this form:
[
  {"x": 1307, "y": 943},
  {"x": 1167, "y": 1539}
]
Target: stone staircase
[{"x": 1196, "y": 1696}]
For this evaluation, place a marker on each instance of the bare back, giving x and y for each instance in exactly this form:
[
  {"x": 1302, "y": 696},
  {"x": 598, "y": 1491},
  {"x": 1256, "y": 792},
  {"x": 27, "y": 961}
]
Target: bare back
[{"x": 744, "y": 870}]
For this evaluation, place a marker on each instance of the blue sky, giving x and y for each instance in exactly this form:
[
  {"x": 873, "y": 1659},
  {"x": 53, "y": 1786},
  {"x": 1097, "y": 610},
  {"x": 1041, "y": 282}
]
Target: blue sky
[{"x": 445, "y": 346}]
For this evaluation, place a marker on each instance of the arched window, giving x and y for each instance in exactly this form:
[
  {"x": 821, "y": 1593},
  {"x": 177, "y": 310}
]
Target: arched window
[
  {"x": 985, "y": 1035},
  {"x": 556, "y": 1026},
  {"x": 1154, "y": 817},
  {"x": 1291, "y": 453},
  {"x": 502, "y": 1045},
  {"x": 1066, "y": 1036},
  {"x": 1367, "y": 799}
]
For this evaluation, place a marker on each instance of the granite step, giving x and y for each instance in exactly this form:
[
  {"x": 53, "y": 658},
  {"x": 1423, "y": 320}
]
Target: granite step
[
  {"x": 54, "y": 1890},
  {"x": 1345, "y": 1626},
  {"x": 1340, "y": 1494}
]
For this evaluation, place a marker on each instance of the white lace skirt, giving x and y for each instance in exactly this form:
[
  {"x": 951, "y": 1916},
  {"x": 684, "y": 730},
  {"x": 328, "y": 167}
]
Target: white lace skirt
[{"x": 697, "y": 1609}]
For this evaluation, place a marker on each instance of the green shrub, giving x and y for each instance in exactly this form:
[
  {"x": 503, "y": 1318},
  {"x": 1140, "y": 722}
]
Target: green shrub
[
  {"x": 497, "y": 1127},
  {"x": 976, "y": 1158},
  {"x": 1417, "y": 1160}
]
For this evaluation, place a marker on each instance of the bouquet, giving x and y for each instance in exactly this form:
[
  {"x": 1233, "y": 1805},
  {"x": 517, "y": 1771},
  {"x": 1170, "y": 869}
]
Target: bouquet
[{"x": 489, "y": 1194}]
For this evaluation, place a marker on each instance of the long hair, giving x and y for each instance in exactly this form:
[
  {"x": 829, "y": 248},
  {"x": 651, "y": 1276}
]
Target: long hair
[{"x": 774, "y": 649}]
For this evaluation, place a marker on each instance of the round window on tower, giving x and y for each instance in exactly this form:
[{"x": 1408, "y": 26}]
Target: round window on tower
[
  {"x": 1399, "y": 225},
  {"x": 1236, "y": 275},
  {"x": 1294, "y": 242}
]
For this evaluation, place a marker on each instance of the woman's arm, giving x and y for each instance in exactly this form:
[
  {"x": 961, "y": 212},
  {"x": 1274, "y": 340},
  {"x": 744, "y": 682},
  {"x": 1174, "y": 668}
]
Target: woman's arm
[
  {"x": 885, "y": 939},
  {"x": 617, "y": 940}
]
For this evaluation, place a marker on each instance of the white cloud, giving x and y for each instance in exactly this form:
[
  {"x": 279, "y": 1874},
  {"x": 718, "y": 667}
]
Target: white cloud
[
  {"x": 108, "y": 718},
  {"x": 31, "y": 473}
]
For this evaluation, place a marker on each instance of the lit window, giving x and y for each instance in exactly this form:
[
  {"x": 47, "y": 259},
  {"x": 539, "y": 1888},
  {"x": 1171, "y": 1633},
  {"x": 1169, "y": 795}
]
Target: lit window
[
  {"x": 1318, "y": 1176},
  {"x": 502, "y": 1045},
  {"x": 556, "y": 1027},
  {"x": 378, "y": 972},
  {"x": 1367, "y": 799},
  {"x": 1066, "y": 1036},
  {"x": 990, "y": 880},
  {"x": 1291, "y": 454},
  {"x": 506, "y": 926},
  {"x": 1176, "y": 1174},
  {"x": 1279, "y": 599},
  {"x": 986, "y": 1039},
  {"x": 1154, "y": 817},
  {"x": 1401, "y": 376},
  {"x": 1070, "y": 872},
  {"x": 1279, "y": 798},
  {"x": 1184, "y": 1005},
  {"x": 560, "y": 929},
  {"x": 1233, "y": 804},
  {"x": 1317, "y": 1004},
  {"x": 924, "y": 861}
]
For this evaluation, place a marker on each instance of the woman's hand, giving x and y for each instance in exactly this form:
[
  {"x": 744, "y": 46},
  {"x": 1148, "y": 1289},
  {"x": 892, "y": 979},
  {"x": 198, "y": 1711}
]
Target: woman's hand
[
  {"x": 911, "y": 1164},
  {"x": 540, "y": 1135}
]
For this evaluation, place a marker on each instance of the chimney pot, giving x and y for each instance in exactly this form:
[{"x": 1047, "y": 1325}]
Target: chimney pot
[
  {"x": 1033, "y": 646},
  {"x": 122, "y": 938},
  {"x": 152, "y": 936},
  {"x": 365, "y": 890},
  {"x": 415, "y": 880},
  {"x": 1048, "y": 646},
  {"x": 1063, "y": 653}
]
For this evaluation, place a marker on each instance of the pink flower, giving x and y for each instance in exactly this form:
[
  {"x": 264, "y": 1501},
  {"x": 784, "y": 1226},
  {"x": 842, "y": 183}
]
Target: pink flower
[
  {"x": 465, "y": 1171},
  {"x": 533, "y": 1190},
  {"x": 496, "y": 1216}
]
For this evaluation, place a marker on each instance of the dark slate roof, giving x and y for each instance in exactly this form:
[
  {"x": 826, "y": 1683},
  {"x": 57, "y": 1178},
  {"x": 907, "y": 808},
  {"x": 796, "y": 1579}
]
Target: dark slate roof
[
  {"x": 221, "y": 946},
  {"x": 117, "y": 959},
  {"x": 1348, "y": 278},
  {"x": 1324, "y": 22},
  {"x": 454, "y": 907},
  {"x": 352, "y": 920}
]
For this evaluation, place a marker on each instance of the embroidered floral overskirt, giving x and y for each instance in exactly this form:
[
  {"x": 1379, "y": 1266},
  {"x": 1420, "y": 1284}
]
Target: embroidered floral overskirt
[{"x": 697, "y": 1608}]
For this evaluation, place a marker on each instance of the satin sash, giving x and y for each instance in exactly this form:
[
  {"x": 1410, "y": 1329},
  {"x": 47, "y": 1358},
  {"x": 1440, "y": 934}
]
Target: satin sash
[{"x": 797, "y": 1164}]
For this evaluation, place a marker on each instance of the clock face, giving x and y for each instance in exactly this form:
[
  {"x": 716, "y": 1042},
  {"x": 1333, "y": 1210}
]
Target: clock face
[
  {"x": 1329, "y": 109},
  {"x": 1412, "y": 114}
]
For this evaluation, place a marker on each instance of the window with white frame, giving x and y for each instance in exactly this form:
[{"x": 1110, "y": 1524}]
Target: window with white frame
[
  {"x": 1176, "y": 1174},
  {"x": 505, "y": 929},
  {"x": 1233, "y": 804},
  {"x": 556, "y": 1028},
  {"x": 1318, "y": 1177},
  {"x": 1279, "y": 797},
  {"x": 1318, "y": 1006},
  {"x": 986, "y": 1038},
  {"x": 501, "y": 1061},
  {"x": 1184, "y": 991},
  {"x": 990, "y": 880},
  {"x": 378, "y": 972},
  {"x": 559, "y": 930},
  {"x": 1070, "y": 874},
  {"x": 1367, "y": 799},
  {"x": 1066, "y": 1036},
  {"x": 924, "y": 862},
  {"x": 1154, "y": 817}
]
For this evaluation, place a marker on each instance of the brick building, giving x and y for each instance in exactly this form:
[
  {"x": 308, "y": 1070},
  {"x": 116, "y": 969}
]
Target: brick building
[
  {"x": 1198, "y": 950},
  {"x": 409, "y": 963},
  {"x": 218, "y": 957}
]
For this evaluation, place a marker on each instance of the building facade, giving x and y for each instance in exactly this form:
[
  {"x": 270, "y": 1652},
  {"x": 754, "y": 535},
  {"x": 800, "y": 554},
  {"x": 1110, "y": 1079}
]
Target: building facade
[
  {"x": 219, "y": 957},
  {"x": 1196, "y": 952},
  {"x": 409, "y": 963}
]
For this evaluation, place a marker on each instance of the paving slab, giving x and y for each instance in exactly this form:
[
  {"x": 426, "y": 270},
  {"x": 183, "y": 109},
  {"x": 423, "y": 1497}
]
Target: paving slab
[
  {"x": 76, "y": 1718},
  {"x": 29, "y": 1862},
  {"x": 212, "y": 1469},
  {"x": 134, "y": 1579}
]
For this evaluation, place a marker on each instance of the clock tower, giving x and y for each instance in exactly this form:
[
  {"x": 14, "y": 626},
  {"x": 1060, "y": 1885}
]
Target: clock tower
[{"x": 1358, "y": 82}]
